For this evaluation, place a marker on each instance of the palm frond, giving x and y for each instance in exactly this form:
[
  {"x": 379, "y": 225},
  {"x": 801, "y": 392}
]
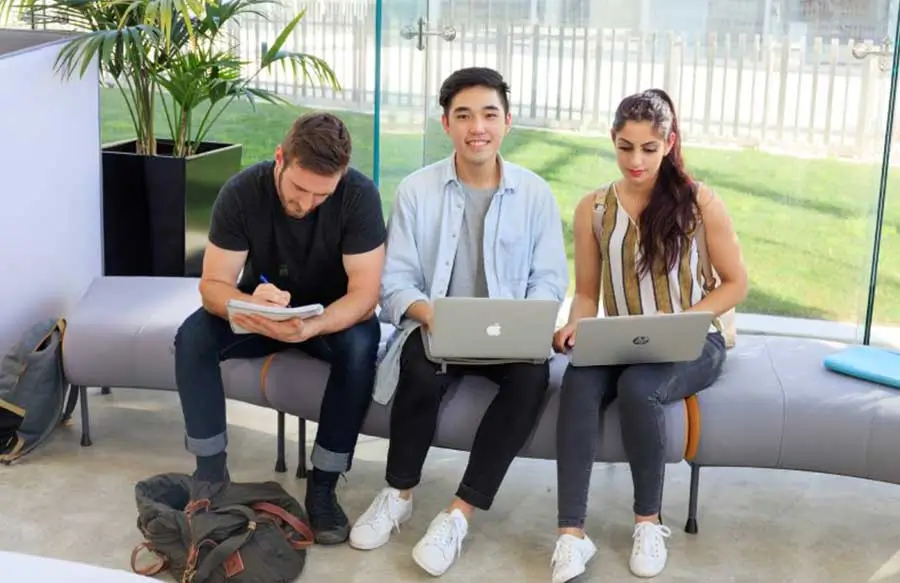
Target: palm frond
[
  {"x": 116, "y": 51},
  {"x": 169, "y": 52}
]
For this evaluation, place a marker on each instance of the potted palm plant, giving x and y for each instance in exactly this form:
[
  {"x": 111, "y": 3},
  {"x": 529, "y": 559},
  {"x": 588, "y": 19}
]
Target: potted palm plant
[{"x": 180, "y": 58}]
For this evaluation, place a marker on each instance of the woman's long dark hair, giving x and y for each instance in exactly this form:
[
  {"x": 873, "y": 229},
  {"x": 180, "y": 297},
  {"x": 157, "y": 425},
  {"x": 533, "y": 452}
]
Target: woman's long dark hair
[{"x": 670, "y": 217}]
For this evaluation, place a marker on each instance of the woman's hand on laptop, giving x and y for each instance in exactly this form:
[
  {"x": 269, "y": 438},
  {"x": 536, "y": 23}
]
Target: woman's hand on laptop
[{"x": 564, "y": 339}]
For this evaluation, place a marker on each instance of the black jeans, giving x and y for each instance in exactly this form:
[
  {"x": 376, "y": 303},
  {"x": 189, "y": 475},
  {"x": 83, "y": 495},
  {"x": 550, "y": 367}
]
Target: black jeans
[
  {"x": 502, "y": 433},
  {"x": 642, "y": 391},
  {"x": 204, "y": 340}
]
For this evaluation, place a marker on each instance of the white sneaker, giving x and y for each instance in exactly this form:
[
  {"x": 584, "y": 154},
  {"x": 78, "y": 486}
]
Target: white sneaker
[
  {"x": 571, "y": 557},
  {"x": 442, "y": 542},
  {"x": 387, "y": 512},
  {"x": 649, "y": 553}
]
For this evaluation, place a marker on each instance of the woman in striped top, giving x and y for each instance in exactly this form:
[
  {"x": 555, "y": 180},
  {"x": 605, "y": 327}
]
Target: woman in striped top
[{"x": 635, "y": 246}]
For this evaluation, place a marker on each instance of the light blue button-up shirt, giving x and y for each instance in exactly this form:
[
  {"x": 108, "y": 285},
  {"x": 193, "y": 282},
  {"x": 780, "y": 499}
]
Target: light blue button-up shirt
[{"x": 524, "y": 249}]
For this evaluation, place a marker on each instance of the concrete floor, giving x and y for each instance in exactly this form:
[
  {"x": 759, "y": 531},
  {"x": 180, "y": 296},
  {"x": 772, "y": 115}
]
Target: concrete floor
[{"x": 755, "y": 525}]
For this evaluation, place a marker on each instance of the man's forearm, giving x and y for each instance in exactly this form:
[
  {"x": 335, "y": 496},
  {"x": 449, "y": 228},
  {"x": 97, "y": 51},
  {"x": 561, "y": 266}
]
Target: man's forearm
[
  {"x": 549, "y": 279},
  {"x": 545, "y": 291},
  {"x": 421, "y": 312},
  {"x": 347, "y": 311},
  {"x": 216, "y": 295}
]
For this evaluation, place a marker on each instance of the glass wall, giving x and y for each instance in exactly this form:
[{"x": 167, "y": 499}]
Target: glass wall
[
  {"x": 784, "y": 106},
  {"x": 884, "y": 325}
]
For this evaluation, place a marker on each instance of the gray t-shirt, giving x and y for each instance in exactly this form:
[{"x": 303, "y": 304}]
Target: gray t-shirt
[{"x": 467, "y": 278}]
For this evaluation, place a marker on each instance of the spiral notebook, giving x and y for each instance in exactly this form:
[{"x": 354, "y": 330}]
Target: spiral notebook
[{"x": 271, "y": 312}]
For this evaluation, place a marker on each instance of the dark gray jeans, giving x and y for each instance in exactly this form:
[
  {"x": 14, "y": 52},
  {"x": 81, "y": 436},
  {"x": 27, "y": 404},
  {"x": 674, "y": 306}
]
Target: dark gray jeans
[{"x": 642, "y": 391}]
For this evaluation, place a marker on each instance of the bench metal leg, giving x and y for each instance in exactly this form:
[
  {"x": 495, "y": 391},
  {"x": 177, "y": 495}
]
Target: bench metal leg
[
  {"x": 280, "y": 465},
  {"x": 85, "y": 418},
  {"x": 71, "y": 401},
  {"x": 301, "y": 453},
  {"x": 690, "y": 526}
]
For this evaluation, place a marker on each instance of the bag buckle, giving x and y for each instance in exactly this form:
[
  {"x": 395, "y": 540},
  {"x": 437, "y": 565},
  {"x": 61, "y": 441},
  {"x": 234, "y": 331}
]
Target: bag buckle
[{"x": 188, "y": 575}]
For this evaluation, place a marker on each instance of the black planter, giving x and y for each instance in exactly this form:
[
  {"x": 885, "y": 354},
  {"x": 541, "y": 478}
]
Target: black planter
[{"x": 156, "y": 209}]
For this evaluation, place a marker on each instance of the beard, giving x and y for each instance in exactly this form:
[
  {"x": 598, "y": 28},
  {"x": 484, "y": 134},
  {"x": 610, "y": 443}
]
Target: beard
[{"x": 291, "y": 209}]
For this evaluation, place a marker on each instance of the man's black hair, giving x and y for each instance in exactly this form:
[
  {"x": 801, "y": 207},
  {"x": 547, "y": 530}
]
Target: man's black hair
[{"x": 473, "y": 77}]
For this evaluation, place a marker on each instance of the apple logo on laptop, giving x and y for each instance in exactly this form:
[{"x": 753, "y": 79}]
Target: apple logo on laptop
[
  {"x": 494, "y": 330},
  {"x": 640, "y": 340}
]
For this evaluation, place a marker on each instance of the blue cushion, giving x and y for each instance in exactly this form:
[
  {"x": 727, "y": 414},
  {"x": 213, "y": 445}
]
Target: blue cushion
[{"x": 868, "y": 363}]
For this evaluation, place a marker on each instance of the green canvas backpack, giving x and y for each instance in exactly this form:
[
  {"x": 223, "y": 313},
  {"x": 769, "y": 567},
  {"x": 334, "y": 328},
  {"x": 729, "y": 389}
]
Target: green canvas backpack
[{"x": 252, "y": 533}]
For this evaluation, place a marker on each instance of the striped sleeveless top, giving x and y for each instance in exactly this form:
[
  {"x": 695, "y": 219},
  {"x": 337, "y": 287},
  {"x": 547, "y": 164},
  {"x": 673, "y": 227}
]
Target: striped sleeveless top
[{"x": 625, "y": 291}]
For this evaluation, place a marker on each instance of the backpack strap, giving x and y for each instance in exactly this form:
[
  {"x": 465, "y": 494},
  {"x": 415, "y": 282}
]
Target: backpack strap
[
  {"x": 150, "y": 570},
  {"x": 279, "y": 513},
  {"x": 222, "y": 551}
]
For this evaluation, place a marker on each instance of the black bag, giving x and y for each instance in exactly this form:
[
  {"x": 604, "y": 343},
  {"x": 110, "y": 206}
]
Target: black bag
[{"x": 254, "y": 532}]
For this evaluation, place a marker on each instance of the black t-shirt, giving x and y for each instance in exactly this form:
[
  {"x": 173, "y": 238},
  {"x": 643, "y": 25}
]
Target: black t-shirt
[{"x": 303, "y": 256}]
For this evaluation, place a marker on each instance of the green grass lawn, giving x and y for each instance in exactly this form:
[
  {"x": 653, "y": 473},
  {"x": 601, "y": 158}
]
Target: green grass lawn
[{"x": 806, "y": 226}]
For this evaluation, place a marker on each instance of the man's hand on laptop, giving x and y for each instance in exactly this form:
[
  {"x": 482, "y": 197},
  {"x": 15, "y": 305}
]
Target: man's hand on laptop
[
  {"x": 421, "y": 312},
  {"x": 564, "y": 339}
]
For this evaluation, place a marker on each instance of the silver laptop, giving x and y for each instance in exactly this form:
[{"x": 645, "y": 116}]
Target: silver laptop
[
  {"x": 492, "y": 328},
  {"x": 640, "y": 339}
]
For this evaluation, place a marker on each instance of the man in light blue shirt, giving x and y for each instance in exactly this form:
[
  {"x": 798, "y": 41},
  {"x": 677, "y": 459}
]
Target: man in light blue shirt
[{"x": 472, "y": 225}]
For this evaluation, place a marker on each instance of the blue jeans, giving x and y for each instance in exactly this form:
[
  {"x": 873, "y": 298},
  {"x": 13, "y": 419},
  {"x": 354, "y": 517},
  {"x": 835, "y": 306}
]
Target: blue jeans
[
  {"x": 642, "y": 391},
  {"x": 204, "y": 340}
]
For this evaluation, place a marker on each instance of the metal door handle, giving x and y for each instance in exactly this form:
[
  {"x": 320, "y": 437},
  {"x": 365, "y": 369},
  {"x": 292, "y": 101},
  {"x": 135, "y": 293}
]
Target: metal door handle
[
  {"x": 883, "y": 51},
  {"x": 409, "y": 32}
]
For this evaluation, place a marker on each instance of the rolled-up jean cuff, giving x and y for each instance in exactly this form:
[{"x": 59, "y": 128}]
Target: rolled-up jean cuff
[
  {"x": 475, "y": 498},
  {"x": 645, "y": 510},
  {"x": 329, "y": 461},
  {"x": 401, "y": 483},
  {"x": 207, "y": 446}
]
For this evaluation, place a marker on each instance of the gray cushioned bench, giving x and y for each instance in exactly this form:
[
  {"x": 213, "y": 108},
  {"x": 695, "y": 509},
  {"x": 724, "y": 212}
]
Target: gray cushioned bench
[
  {"x": 777, "y": 407},
  {"x": 774, "y": 407},
  {"x": 134, "y": 349}
]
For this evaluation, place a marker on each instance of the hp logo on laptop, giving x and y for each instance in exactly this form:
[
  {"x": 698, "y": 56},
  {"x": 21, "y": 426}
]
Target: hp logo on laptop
[{"x": 640, "y": 340}]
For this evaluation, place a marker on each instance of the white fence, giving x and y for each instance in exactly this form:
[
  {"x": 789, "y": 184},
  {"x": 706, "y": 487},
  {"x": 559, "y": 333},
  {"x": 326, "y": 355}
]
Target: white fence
[
  {"x": 749, "y": 90},
  {"x": 775, "y": 91}
]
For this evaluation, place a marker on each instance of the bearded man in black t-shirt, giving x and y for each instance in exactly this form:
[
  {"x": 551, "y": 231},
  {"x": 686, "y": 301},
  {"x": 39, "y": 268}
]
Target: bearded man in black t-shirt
[{"x": 304, "y": 228}]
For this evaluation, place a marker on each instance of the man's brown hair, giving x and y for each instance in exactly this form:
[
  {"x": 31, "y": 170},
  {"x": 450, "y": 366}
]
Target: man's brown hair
[{"x": 319, "y": 142}]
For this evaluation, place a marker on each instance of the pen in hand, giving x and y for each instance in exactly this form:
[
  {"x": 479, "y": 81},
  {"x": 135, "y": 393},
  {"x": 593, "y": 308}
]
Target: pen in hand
[{"x": 281, "y": 298}]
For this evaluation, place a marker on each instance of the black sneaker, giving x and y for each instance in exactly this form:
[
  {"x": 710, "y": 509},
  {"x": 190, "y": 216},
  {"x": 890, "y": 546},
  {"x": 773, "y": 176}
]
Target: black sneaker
[{"x": 326, "y": 517}]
